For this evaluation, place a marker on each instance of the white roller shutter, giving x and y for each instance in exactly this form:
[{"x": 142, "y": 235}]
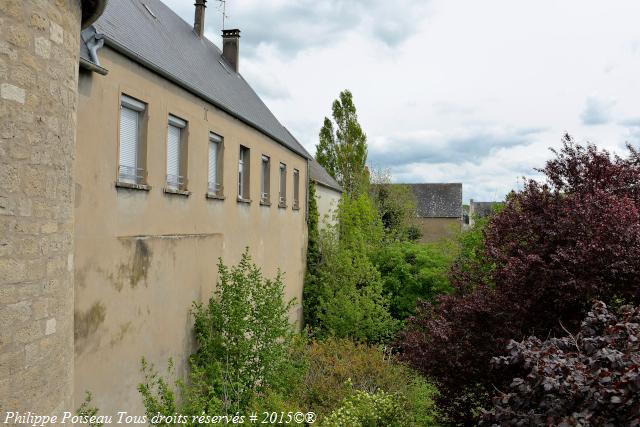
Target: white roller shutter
[
  {"x": 214, "y": 140},
  {"x": 173, "y": 156},
  {"x": 129, "y": 135}
]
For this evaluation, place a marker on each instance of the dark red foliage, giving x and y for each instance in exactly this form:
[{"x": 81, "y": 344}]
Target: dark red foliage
[
  {"x": 552, "y": 250},
  {"x": 592, "y": 378}
]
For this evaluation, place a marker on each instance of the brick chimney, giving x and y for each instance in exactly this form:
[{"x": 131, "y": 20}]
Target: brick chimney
[
  {"x": 198, "y": 22},
  {"x": 231, "y": 47}
]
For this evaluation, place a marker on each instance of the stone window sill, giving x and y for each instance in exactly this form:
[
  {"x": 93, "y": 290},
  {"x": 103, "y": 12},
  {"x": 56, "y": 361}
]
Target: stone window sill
[
  {"x": 131, "y": 186},
  {"x": 265, "y": 203},
  {"x": 282, "y": 206},
  {"x": 295, "y": 208},
  {"x": 176, "y": 192},
  {"x": 241, "y": 200},
  {"x": 214, "y": 196}
]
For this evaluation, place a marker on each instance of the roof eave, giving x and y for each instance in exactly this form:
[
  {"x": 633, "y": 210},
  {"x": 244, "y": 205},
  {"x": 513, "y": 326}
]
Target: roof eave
[
  {"x": 88, "y": 65},
  {"x": 330, "y": 187},
  {"x": 137, "y": 58}
]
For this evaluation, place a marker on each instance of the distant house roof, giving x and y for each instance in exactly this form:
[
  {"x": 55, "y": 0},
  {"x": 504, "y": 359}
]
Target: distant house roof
[
  {"x": 438, "y": 200},
  {"x": 154, "y": 36},
  {"x": 320, "y": 175}
]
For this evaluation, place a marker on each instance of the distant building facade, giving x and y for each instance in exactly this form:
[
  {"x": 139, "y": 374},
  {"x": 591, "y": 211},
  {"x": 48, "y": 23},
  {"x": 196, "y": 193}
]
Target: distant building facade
[
  {"x": 328, "y": 193},
  {"x": 439, "y": 210},
  {"x": 480, "y": 210}
]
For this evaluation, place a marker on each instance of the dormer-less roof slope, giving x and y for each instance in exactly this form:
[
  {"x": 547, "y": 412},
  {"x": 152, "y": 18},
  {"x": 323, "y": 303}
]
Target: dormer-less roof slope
[
  {"x": 320, "y": 175},
  {"x": 438, "y": 200},
  {"x": 150, "y": 33}
]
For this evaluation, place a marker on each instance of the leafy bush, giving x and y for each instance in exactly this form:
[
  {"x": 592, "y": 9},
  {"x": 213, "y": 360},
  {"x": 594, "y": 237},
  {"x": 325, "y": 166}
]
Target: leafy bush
[
  {"x": 592, "y": 378},
  {"x": 359, "y": 225},
  {"x": 350, "y": 298},
  {"x": 552, "y": 249},
  {"x": 243, "y": 338},
  {"x": 368, "y": 410},
  {"x": 334, "y": 369},
  {"x": 396, "y": 207},
  {"x": 471, "y": 267},
  {"x": 345, "y": 295},
  {"x": 412, "y": 271}
]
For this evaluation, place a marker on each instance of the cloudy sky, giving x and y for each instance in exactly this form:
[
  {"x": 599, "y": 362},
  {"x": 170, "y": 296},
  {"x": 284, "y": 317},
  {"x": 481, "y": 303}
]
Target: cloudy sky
[{"x": 447, "y": 90}]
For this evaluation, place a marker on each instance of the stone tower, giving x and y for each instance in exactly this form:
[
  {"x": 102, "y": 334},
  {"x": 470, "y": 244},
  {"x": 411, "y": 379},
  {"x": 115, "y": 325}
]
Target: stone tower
[{"x": 39, "y": 44}]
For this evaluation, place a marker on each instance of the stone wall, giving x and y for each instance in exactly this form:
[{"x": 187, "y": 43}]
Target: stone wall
[{"x": 39, "y": 42}]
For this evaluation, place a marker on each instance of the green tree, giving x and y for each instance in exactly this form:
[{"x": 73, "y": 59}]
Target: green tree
[
  {"x": 310, "y": 294},
  {"x": 396, "y": 206},
  {"x": 342, "y": 149},
  {"x": 348, "y": 298},
  {"x": 412, "y": 271}
]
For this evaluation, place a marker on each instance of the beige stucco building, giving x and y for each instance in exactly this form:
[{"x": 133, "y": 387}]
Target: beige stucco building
[
  {"x": 328, "y": 193},
  {"x": 214, "y": 173}
]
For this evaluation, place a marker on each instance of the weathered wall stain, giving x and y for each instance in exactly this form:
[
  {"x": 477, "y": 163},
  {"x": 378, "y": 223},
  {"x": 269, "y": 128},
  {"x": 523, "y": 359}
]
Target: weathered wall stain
[
  {"x": 87, "y": 323},
  {"x": 134, "y": 271},
  {"x": 141, "y": 262},
  {"x": 122, "y": 332}
]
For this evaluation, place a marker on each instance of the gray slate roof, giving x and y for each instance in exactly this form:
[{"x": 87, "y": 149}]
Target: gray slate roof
[
  {"x": 438, "y": 200},
  {"x": 162, "y": 41},
  {"x": 320, "y": 175}
]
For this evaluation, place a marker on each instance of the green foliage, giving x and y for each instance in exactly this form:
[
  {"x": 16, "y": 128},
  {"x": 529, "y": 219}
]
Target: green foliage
[
  {"x": 243, "y": 337},
  {"x": 471, "y": 266},
  {"x": 359, "y": 225},
  {"x": 345, "y": 294},
  {"x": 334, "y": 369},
  {"x": 309, "y": 296},
  {"x": 396, "y": 207},
  {"x": 369, "y": 410},
  {"x": 351, "y": 302},
  {"x": 88, "y": 412},
  {"x": 158, "y": 397},
  {"x": 242, "y": 329},
  {"x": 413, "y": 271},
  {"x": 342, "y": 149},
  {"x": 313, "y": 249}
]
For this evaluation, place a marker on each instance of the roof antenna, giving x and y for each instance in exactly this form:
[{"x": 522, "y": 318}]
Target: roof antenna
[{"x": 222, "y": 7}]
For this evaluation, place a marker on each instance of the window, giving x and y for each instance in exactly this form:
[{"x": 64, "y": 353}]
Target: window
[
  {"x": 130, "y": 168},
  {"x": 215, "y": 165},
  {"x": 282, "y": 200},
  {"x": 243, "y": 174},
  {"x": 176, "y": 154},
  {"x": 296, "y": 189},
  {"x": 266, "y": 181}
]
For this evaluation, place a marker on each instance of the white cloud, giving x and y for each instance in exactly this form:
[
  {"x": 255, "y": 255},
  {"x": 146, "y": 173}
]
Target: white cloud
[
  {"x": 478, "y": 90},
  {"x": 597, "y": 111}
]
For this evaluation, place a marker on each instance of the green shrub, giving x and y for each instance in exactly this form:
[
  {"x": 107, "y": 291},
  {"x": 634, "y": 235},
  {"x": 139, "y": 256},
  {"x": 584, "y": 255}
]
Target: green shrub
[
  {"x": 350, "y": 298},
  {"x": 412, "y": 271},
  {"x": 343, "y": 290},
  {"x": 335, "y": 368},
  {"x": 369, "y": 410},
  {"x": 243, "y": 336}
]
